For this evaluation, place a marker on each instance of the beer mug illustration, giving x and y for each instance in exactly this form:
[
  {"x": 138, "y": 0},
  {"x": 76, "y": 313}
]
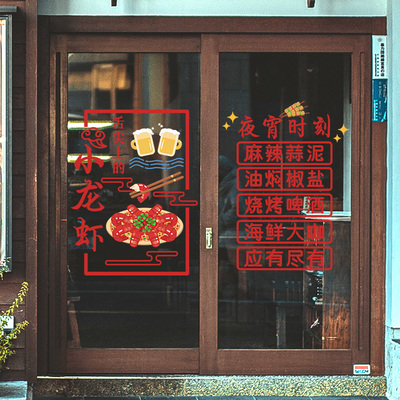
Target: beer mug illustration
[
  {"x": 169, "y": 142},
  {"x": 143, "y": 142}
]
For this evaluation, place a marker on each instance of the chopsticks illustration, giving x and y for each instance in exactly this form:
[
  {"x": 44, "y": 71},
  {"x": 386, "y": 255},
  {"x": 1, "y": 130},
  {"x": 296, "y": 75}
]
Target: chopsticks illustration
[{"x": 158, "y": 184}]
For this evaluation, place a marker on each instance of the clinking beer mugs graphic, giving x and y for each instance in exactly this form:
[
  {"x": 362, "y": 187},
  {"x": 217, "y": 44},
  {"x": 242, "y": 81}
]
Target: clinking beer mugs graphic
[{"x": 144, "y": 145}]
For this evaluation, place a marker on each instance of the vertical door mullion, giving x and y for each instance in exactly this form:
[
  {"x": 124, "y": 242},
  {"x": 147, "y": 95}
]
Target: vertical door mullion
[
  {"x": 209, "y": 103},
  {"x": 57, "y": 237}
]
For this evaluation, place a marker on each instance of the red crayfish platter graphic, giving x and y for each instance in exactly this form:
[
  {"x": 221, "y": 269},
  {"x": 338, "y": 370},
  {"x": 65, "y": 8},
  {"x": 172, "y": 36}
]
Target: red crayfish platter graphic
[{"x": 144, "y": 226}]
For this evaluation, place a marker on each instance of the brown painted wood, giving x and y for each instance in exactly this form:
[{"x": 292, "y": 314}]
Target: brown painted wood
[
  {"x": 43, "y": 193},
  {"x": 18, "y": 99},
  {"x": 31, "y": 186},
  {"x": 284, "y": 362},
  {"x": 378, "y": 242},
  {"x": 18, "y": 251},
  {"x": 365, "y": 203},
  {"x": 57, "y": 340},
  {"x": 379, "y": 26},
  {"x": 21, "y": 4},
  {"x": 18, "y": 207},
  {"x": 209, "y": 123},
  {"x": 19, "y": 229},
  {"x": 19, "y": 54},
  {"x": 17, "y": 275},
  {"x": 13, "y": 375},
  {"x": 19, "y": 119},
  {"x": 18, "y": 163},
  {"x": 19, "y": 140},
  {"x": 61, "y": 358},
  {"x": 19, "y": 30},
  {"x": 100, "y": 361},
  {"x": 214, "y": 25},
  {"x": 17, "y": 361},
  {"x": 19, "y": 74},
  {"x": 355, "y": 200},
  {"x": 291, "y": 43},
  {"x": 125, "y": 43},
  {"x": 9, "y": 293},
  {"x": 250, "y": 361}
]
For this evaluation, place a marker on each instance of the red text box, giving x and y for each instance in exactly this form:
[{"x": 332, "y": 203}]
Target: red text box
[
  {"x": 315, "y": 153},
  {"x": 312, "y": 258},
  {"x": 284, "y": 231},
  {"x": 283, "y": 205}
]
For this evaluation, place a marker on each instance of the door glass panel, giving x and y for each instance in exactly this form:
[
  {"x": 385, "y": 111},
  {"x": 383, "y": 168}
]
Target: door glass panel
[
  {"x": 132, "y": 270},
  {"x": 284, "y": 201}
]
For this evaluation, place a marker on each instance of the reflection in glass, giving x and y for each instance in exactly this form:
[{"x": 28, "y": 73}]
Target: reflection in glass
[
  {"x": 5, "y": 140},
  {"x": 283, "y": 309},
  {"x": 131, "y": 311}
]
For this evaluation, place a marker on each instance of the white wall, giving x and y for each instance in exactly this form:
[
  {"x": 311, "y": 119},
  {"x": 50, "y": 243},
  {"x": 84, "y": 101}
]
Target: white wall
[
  {"x": 393, "y": 160},
  {"x": 272, "y": 8}
]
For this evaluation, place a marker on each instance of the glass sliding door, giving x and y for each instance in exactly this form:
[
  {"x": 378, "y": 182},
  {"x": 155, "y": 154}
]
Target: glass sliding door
[
  {"x": 284, "y": 201},
  {"x": 209, "y": 203}
]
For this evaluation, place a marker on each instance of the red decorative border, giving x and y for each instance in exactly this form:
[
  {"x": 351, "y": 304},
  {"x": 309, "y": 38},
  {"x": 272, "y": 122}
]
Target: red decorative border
[
  {"x": 187, "y": 139},
  {"x": 187, "y": 210},
  {"x": 272, "y": 242},
  {"x": 284, "y": 268},
  {"x": 264, "y": 189},
  {"x": 329, "y": 144},
  {"x": 284, "y": 195}
]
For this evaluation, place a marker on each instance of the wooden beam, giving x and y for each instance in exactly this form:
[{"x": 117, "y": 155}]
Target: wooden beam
[{"x": 31, "y": 187}]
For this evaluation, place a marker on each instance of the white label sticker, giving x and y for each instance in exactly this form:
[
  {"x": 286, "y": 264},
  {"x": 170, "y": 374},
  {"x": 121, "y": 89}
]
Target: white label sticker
[
  {"x": 379, "y": 57},
  {"x": 361, "y": 369}
]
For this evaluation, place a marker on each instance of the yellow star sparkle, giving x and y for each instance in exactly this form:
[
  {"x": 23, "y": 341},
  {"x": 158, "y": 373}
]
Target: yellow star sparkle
[
  {"x": 343, "y": 129},
  {"x": 226, "y": 126},
  {"x": 337, "y": 138},
  {"x": 232, "y": 117}
]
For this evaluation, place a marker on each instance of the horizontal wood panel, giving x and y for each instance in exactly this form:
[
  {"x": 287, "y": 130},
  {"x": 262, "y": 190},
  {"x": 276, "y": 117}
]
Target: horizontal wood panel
[
  {"x": 19, "y": 342},
  {"x": 19, "y": 31},
  {"x": 19, "y": 54},
  {"x": 18, "y": 207},
  {"x": 18, "y": 163},
  {"x": 18, "y": 185},
  {"x": 19, "y": 312},
  {"x": 18, "y": 229},
  {"x": 139, "y": 43},
  {"x": 9, "y": 293},
  {"x": 17, "y": 275},
  {"x": 17, "y": 361},
  {"x": 284, "y": 362},
  {"x": 292, "y": 43},
  {"x": 18, "y": 94},
  {"x": 19, "y": 119},
  {"x": 18, "y": 141},
  {"x": 12, "y": 375},
  {"x": 213, "y": 25},
  {"x": 98, "y": 361},
  {"x": 18, "y": 251},
  {"x": 19, "y": 75}
]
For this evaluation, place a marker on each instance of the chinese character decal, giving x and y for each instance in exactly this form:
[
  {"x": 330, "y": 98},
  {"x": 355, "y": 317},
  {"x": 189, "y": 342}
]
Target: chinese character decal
[
  {"x": 130, "y": 194},
  {"x": 284, "y": 200}
]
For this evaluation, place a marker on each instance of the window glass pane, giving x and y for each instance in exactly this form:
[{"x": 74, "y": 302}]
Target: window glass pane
[
  {"x": 284, "y": 200},
  {"x": 5, "y": 144},
  {"x": 133, "y": 272}
]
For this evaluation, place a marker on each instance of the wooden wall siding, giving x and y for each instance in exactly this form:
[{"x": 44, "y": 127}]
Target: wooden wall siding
[{"x": 11, "y": 284}]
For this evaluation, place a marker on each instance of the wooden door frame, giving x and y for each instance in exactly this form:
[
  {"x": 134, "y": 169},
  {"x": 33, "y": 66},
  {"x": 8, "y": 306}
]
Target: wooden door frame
[
  {"x": 90, "y": 360},
  {"x": 299, "y": 361},
  {"x": 212, "y": 361}
]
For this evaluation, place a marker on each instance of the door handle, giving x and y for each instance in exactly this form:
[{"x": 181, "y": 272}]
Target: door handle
[{"x": 208, "y": 238}]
